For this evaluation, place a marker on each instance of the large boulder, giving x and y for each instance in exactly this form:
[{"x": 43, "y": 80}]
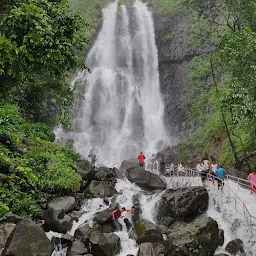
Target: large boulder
[
  {"x": 76, "y": 249},
  {"x": 235, "y": 247},
  {"x": 104, "y": 217},
  {"x": 55, "y": 217},
  {"x": 57, "y": 221},
  {"x": 5, "y": 231},
  {"x": 66, "y": 204},
  {"x": 85, "y": 169},
  {"x": 28, "y": 239},
  {"x": 145, "y": 231},
  {"x": 145, "y": 179},
  {"x": 202, "y": 236},
  {"x": 133, "y": 162},
  {"x": 106, "y": 174},
  {"x": 83, "y": 232},
  {"x": 101, "y": 188},
  {"x": 151, "y": 249},
  {"x": 182, "y": 204},
  {"x": 105, "y": 244}
]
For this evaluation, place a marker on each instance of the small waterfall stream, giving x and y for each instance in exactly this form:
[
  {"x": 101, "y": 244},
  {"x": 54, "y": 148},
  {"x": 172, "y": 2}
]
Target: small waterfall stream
[{"x": 126, "y": 192}]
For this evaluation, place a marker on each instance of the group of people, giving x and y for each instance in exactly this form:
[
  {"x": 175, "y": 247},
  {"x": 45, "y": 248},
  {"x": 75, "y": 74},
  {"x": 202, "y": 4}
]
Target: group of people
[
  {"x": 166, "y": 169},
  {"x": 216, "y": 171},
  {"x": 122, "y": 217}
]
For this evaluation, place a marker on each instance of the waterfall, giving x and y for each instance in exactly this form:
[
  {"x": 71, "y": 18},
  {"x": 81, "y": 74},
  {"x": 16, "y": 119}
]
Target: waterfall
[{"x": 122, "y": 111}]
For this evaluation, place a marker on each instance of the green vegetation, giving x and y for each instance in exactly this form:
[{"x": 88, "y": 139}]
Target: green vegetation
[
  {"x": 167, "y": 37},
  {"x": 168, "y": 6},
  {"x": 90, "y": 10},
  {"x": 41, "y": 44},
  {"x": 33, "y": 168},
  {"x": 223, "y": 89}
]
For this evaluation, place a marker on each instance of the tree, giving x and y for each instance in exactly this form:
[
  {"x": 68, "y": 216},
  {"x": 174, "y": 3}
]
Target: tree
[
  {"x": 40, "y": 44},
  {"x": 237, "y": 55}
]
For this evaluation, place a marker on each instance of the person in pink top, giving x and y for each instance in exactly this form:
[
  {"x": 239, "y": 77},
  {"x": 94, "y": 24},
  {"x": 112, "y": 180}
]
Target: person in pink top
[{"x": 252, "y": 179}]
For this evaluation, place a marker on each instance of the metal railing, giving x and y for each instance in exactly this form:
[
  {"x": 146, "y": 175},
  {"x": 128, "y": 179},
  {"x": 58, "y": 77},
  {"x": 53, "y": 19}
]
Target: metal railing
[{"x": 191, "y": 177}]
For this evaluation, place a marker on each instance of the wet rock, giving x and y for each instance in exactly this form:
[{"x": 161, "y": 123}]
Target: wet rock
[
  {"x": 235, "y": 247},
  {"x": 104, "y": 216},
  {"x": 145, "y": 179},
  {"x": 85, "y": 169},
  {"x": 5, "y": 231},
  {"x": 103, "y": 244},
  {"x": 202, "y": 235},
  {"x": 77, "y": 248},
  {"x": 127, "y": 164},
  {"x": 84, "y": 231},
  {"x": 65, "y": 204},
  {"x": 28, "y": 239},
  {"x": 75, "y": 215},
  {"x": 151, "y": 249},
  {"x": 145, "y": 231},
  {"x": 65, "y": 241},
  {"x": 221, "y": 254},
  {"x": 107, "y": 227},
  {"x": 182, "y": 204},
  {"x": 106, "y": 174},
  {"x": 106, "y": 200},
  {"x": 101, "y": 188},
  {"x": 57, "y": 220},
  {"x": 136, "y": 203}
]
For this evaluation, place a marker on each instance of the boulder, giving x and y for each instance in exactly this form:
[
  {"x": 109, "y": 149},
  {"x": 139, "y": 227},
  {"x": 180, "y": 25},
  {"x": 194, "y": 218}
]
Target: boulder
[
  {"x": 83, "y": 232},
  {"x": 65, "y": 241},
  {"x": 235, "y": 247},
  {"x": 136, "y": 203},
  {"x": 57, "y": 221},
  {"x": 151, "y": 249},
  {"x": 76, "y": 249},
  {"x": 28, "y": 239},
  {"x": 5, "y": 231},
  {"x": 101, "y": 188},
  {"x": 145, "y": 179},
  {"x": 128, "y": 164},
  {"x": 105, "y": 244},
  {"x": 104, "y": 216},
  {"x": 201, "y": 235},
  {"x": 182, "y": 204},
  {"x": 145, "y": 231},
  {"x": 106, "y": 174},
  {"x": 65, "y": 204},
  {"x": 85, "y": 169}
]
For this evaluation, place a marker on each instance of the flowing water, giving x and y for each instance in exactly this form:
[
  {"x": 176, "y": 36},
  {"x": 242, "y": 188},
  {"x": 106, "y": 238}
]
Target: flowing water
[{"x": 122, "y": 111}]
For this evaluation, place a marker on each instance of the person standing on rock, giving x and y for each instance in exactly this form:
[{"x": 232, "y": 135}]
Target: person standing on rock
[
  {"x": 213, "y": 169},
  {"x": 116, "y": 214},
  {"x": 141, "y": 159},
  {"x": 252, "y": 179}
]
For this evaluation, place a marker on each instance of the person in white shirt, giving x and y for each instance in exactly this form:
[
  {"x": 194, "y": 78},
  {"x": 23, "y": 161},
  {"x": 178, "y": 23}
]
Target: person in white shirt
[
  {"x": 126, "y": 218},
  {"x": 203, "y": 173}
]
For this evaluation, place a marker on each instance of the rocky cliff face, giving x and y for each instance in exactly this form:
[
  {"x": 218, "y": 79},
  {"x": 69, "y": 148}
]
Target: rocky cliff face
[{"x": 175, "y": 52}]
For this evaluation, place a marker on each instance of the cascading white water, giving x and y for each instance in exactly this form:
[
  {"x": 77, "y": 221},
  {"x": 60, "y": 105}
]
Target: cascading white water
[{"x": 122, "y": 111}]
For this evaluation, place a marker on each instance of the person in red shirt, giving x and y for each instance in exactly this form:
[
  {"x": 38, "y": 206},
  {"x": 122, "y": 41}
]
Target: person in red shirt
[
  {"x": 141, "y": 158},
  {"x": 115, "y": 216}
]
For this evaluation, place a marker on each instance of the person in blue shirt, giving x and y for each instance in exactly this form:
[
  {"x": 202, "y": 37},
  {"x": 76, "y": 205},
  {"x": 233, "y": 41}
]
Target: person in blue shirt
[{"x": 220, "y": 174}]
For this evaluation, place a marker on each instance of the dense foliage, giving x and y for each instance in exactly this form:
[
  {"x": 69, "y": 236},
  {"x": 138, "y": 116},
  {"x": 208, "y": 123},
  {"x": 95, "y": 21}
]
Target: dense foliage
[
  {"x": 32, "y": 167},
  {"x": 224, "y": 81},
  {"x": 40, "y": 44}
]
